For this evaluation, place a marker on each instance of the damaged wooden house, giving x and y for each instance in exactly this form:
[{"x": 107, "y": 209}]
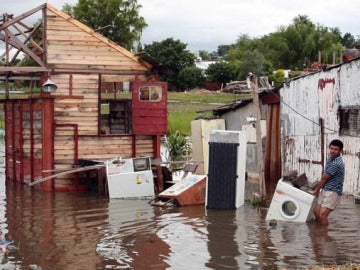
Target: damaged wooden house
[{"x": 71, "y": 96}]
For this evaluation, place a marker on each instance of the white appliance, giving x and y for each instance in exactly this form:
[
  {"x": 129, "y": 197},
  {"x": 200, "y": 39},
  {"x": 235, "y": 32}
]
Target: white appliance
[
  {"x": 225, "y": 187},
  {"x": 130, "y": 178},
  {"x": 200, "y": 133},
  {"x": 291, "y": 204}
]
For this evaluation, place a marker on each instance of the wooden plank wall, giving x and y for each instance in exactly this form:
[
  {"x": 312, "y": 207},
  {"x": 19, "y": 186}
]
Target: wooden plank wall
[
  {"x": 144, "y": 146},
  {"x": 82, "y": 107},
  {"x": 76, "y": 131},
  {"x": 115, "y": 146},
  {"x": 75, "y": 115},
  {"x": 73, "y": 45}
]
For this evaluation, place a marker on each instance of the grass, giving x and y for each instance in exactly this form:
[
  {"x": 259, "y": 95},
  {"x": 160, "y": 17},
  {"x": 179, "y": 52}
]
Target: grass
[
  {"x": 204, "y": 96},
  {"x": 183, "y": 107}
]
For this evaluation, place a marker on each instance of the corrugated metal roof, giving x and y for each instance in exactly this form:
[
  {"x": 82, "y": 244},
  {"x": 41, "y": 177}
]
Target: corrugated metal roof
[{"x": 231, "y": 106}]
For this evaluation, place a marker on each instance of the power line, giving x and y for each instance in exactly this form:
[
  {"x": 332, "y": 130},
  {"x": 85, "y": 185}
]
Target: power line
[{"x": 307, "y": 118}]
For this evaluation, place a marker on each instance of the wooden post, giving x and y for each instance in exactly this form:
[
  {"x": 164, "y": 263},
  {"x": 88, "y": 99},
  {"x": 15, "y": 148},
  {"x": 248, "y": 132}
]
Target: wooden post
[
  {"x": 48, "y": 141},
  {"x": 257, "y": 114},
  {"x": 156, "y": 146}
]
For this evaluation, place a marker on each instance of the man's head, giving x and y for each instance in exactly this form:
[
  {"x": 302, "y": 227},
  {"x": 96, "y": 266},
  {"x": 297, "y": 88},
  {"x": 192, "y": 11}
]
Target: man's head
[
  {"x": 337, "y": 143},
  {"x": 336, "y": 146}
]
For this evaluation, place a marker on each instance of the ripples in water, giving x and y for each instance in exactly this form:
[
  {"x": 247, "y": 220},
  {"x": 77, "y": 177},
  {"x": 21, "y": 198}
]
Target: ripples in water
[{"x": 82, "y": 231}]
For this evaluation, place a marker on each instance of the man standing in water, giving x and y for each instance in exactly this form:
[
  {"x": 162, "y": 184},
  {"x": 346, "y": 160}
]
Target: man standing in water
[{"x": 329, "y": 189}]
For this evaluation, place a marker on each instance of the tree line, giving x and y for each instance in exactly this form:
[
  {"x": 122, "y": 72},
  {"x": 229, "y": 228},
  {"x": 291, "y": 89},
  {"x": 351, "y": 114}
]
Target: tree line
[{"x": 295, "y": 46}]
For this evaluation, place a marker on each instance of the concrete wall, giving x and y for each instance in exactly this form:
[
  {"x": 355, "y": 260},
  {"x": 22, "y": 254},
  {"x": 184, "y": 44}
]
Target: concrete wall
[{"x": 236, "y": 120}]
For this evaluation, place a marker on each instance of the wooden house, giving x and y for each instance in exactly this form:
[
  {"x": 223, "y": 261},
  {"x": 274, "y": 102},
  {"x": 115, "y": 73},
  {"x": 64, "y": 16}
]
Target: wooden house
[{"x": 107, "y": 103}]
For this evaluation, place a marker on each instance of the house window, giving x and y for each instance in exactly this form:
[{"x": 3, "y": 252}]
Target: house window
[
  {"x": 350, "y": 120},
  {"x": 115, "y": 117},
  {"x": 150, "y": 93}
]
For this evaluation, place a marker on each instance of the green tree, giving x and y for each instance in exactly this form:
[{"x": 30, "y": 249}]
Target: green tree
[
  {"x": 301, "y": 40},
  {"x": 173, "y": 56},
  {"x": 191, "y": 77},
  {"x": 118, "y": 20},
  {"x": 276, "y": 50},
  {"x": 204, "y": 55},
  {"x": 222, "y": 72},
  {"x": 253, "y": 62},
  {"x": 348, "y": 41},
  {"x": 222, "y": 51},
  {"x": 244, "y": 43},
  {"x": 298, "y": 44}
]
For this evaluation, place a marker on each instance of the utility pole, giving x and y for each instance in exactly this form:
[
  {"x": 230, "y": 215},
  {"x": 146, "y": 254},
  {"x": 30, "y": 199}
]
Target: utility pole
[{"x": 260, "y": 158}]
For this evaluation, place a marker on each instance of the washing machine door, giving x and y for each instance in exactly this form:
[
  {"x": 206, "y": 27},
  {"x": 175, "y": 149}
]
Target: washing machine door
[{"x": 289, "y": 208}]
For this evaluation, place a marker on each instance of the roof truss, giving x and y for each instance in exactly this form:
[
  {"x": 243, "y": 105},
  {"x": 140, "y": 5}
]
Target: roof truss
[{"x": 19, "y": 37}]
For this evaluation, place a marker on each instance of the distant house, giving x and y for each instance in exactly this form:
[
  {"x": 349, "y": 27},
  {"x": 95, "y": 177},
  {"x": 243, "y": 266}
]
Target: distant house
[
  {"x": 87, "y": 117},
  {"x": 204, "y": 64}
]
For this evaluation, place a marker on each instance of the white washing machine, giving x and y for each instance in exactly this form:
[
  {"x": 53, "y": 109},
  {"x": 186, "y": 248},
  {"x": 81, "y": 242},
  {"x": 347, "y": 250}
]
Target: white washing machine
[{"x": 291, "y": 204}]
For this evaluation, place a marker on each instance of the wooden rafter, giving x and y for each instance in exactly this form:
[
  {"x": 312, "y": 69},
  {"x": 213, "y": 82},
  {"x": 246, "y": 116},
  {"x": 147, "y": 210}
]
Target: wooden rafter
[
  {"x": 22, "y": 69},
  {"x": 19, "y": 36},
  {"x": 24, "y": 48},
  {"x": 21, "y": 17},
  {"x": 29, "y": 37}
]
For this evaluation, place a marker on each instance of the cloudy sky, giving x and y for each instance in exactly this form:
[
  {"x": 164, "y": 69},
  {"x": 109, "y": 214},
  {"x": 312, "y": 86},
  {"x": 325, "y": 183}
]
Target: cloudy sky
[{"x": 205, "y": 24}]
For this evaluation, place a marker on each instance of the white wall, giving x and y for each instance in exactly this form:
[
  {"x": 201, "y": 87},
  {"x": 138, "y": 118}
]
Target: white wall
[{"x": 303, "y": 102}]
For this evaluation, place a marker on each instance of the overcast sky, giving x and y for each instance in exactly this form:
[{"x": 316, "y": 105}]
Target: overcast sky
[{"x": 205, "y": 24}]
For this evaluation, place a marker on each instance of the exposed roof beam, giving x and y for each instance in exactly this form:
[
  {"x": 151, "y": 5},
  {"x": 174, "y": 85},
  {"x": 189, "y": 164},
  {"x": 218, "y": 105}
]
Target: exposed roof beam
[
  {"x": 3, "y": 38},
  {"x": 19, "y": 18},
  {"x": 24, "y": 48},
  {"x": 97, "y": 71},
  {"x": 25, "y": 78},
  {"x": 16, "y": 70},
  {"x": 27, "y": 38},
  {"x": 5, "y": 69}
]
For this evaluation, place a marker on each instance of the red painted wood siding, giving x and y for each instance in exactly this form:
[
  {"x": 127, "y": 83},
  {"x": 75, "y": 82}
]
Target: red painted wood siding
[{"x": 149, "y": 117}]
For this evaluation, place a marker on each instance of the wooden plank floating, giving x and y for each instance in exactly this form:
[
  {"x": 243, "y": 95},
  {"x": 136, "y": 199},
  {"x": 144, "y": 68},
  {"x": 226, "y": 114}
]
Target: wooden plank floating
[{"x": 82, "y": 169}]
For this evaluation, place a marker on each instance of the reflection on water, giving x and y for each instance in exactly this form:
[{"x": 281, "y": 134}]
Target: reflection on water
[{"x": 83, "y": 231}]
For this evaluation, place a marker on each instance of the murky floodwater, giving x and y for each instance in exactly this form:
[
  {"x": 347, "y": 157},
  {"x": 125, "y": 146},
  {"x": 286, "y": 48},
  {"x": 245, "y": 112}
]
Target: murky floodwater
[{"x": 83, "y": 231}]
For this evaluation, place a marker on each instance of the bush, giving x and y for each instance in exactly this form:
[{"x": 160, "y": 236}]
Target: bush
[
  {"x": 176, "y": 144},
  {"x": 190, "y": 78},
  {"x": 222, "y": 72},
  {"x": 278, "y": 77}
]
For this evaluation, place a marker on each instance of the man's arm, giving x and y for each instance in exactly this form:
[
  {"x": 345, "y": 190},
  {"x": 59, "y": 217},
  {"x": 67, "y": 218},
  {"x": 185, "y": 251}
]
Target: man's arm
[{"x": 324, "y": 178}]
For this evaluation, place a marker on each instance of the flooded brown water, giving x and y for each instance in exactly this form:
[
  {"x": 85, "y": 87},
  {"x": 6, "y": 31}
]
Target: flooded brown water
[{"x": 84, "y": 231}]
